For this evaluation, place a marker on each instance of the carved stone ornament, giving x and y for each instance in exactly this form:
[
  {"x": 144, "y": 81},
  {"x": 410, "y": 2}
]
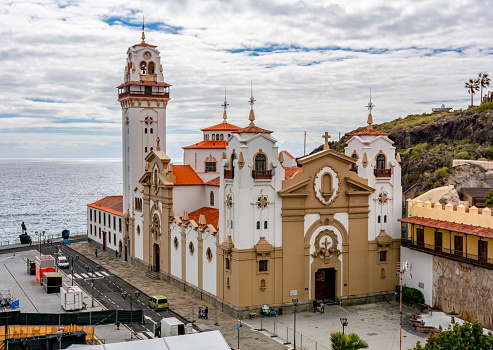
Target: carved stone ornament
[
  {"x": 326, "y": 185},
  {"x": 383, "y": 197},
  {"x": 324, "y": 248},
  {"x": 262, "y": 201},
  {"x": 229, "y": 200},
  {"x": 148, "y": 120}
]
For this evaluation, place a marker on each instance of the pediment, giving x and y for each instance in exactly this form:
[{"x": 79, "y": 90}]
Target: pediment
[
  {"x": 298, "y": 189},
  {"x": 357, "y": 187}
]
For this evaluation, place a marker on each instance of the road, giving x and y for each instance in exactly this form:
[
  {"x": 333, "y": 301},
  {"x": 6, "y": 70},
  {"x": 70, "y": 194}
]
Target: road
[{"x": 108, "y": 289}]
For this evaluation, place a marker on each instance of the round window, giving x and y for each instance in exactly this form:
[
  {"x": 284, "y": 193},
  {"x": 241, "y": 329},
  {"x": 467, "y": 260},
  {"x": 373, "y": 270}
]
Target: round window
[{"x": 175, "y": 242}]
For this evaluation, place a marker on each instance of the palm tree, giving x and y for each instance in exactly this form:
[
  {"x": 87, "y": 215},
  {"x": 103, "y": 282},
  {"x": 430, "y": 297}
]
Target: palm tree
[
  {"x": 347, "y": 341},
  {"x": 484, "y": 82},
  {"x": 472, "y": 86}
]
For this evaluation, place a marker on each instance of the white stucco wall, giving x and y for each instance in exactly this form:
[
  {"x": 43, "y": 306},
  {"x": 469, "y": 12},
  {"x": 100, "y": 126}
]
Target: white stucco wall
[
  {"x": 192, "y": 264},
  {"x": 188, "y": 198},
  {"x": 175, "y": 254},
  {"x": 422, "y": 272},
  {"x": 209, "y": 267},
  {"x": 111, "y": 226}
]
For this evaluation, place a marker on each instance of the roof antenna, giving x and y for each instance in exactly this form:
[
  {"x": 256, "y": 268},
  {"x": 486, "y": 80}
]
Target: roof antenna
[
  {"x": 225, "y": 105},
  {"x": 251, "y": 117},
  {"x": 370, "y": 106},
  {"x": 143, "y": 27}
]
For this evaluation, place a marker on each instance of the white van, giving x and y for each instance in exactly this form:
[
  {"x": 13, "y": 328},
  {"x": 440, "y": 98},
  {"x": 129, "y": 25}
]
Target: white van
[{"x": 171, "y": 326}]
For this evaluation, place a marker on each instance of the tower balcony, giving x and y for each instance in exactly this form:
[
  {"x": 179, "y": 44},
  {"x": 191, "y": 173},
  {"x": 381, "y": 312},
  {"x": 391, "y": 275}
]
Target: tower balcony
[
  {"x": 229, "y": 174},
  {"x": 262, "y": 174},
  {"x": 143, "y": 89},
  {"x": 382, "y": 172},
  {"x": 162, "y": 94}
]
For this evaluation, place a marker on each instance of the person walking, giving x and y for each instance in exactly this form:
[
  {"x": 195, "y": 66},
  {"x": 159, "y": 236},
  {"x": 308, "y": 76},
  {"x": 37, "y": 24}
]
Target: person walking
[
  {"x": 96, "y": 253},
  {"x": 315, "y": 305},
  {"x": 322, "y": 307},
  {"x": 206, "y": 312}
]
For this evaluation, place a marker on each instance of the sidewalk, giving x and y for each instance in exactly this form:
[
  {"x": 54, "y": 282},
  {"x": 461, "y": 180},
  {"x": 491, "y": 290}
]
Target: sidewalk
[{"x": 180, "y": 302}]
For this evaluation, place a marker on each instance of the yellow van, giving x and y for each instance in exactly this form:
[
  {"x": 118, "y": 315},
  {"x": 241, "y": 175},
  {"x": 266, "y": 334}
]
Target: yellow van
[{"x": 158, "y": 302}]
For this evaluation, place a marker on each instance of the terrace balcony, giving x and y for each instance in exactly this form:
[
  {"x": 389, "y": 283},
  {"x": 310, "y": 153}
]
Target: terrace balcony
[{"x": 262, "y": 174}]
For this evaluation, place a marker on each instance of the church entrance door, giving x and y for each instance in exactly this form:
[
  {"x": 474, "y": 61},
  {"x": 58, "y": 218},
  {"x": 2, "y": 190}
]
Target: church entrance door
[
  {"x": 325, "y": 285},
  {"x": 156, "y": 257},
  {"x": 104, "y": 241}
]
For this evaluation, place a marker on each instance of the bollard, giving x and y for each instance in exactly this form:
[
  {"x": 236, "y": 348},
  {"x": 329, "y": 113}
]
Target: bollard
[{"x": 261, "y": 323}]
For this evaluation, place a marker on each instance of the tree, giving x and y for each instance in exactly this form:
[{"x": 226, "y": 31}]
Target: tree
[
  {"x": 489, "y": 199},
  {"x": 467, "y": 336},
  {"x": 484, "y": 82},
  {"x": 349, "y": 341},
  {"x": 472, "y": 86}
]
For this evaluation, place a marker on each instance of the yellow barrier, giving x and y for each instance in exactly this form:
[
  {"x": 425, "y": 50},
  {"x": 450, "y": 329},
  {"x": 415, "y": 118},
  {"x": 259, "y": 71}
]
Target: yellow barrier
[{"x": 9, "y": 332}]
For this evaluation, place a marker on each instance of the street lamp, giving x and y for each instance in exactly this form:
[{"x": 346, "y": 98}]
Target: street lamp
[
  {"x": 89, "y": 268},
  {"x": 295, "y": 303},
  {"x": 126, "y": 295},
  {"x": 344, "y": 323},
  {"x": 39, "y": 234},
  {"x": 72, "y": 259},
  {"x": 59, "y": 334}
]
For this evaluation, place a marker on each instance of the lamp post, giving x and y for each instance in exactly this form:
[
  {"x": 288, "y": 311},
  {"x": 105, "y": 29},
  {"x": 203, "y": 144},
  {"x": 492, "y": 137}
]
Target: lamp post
[
  {"x": 40, "y": 234},
  {"x": 295, "y": 303},
  {"x": 59, "y": 334},
  {"x": 344, "y": 323},
  {"x": 126, "y": 295},
  {"x": 88, "y": 268},
  {"x": 72, "y": 259}
]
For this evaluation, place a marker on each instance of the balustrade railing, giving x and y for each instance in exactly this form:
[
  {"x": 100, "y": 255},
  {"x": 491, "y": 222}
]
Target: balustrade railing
[
  {"x": 382, "y": 172},
  {"x": 229, "y": 174},
  {"x": 262, "y": 174}
]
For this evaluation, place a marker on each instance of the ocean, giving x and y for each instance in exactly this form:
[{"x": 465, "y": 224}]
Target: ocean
[{"x": 51, "y": 194}]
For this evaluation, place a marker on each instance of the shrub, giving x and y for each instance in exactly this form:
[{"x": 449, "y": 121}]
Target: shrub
[
  {"x": 488, "y": 152},
  {"x": 415, "y": 154},
  {"x": 462, "y": 155},
  {"x": 410, "y": 293},
  {"x": 489, "y": 198},
  {"x": 442, "y": 173},
  {"x": 484, "y": 107}
]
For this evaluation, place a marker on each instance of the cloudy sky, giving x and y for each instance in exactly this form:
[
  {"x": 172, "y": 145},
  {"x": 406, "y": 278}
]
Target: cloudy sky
[{"x": 312, "y": 64}]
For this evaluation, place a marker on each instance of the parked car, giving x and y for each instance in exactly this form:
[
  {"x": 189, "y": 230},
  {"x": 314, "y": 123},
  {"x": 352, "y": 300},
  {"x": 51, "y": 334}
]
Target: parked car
[
  {"x": 158, "y": 302},
  {"x": 62, "y": 262}
]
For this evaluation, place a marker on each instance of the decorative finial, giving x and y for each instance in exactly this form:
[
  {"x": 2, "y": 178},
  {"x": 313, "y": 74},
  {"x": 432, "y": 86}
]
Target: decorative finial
[
  {"x": 326, "y": 136},
  {"x": 143, "y": 29},
  {"x": 225, "y": 105},
  {"x": 251, "y": 117},
  {"x": 157, "y": 147},
  {"x": 370, "y": 106}
]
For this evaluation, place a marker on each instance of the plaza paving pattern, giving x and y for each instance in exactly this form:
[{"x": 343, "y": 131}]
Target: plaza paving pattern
[{"x": 378, "y": 324}]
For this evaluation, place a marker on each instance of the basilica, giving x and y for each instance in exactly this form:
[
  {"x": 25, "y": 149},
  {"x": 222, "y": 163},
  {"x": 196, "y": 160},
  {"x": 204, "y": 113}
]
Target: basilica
[{"x": 242, "y": 223}]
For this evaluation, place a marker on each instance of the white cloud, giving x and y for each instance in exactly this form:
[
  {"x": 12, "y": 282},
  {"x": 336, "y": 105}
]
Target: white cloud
[{"x": 312, "y": 64}]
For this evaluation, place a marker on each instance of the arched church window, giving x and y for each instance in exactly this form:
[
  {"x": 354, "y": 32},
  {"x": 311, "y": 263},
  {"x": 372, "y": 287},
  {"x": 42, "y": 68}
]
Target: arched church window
[
  {"x": 217, "y": 137},
  {"x": 385, "y": 218},
  {"x": 380, "y": 161},
  {"x": 221, "y": 137},
  {"x": 145, "y": 149},
  {"x": 152, "y": 148},
  {"x": 258, "y": 225},
  {"x": 260, "y": 162},
  {"x": 229, "y": 135},
  {"x": 265, "y": 224},
  {"x": 145, "y": 130},
  {"x": 378, "y": 219},
  {"x": 213, "y": 137},
  {"x": 151, "y": 131},
  {"x": 143, "y": 67},
  {"x": 151, "y": 67},
  {"x": 138, "y": 230},
  {"x": 212, "y": 198},
  {"x": 327, "y": 184},
  {"x": 354, "y": 167},
  {"x": 233, "y": 157}
]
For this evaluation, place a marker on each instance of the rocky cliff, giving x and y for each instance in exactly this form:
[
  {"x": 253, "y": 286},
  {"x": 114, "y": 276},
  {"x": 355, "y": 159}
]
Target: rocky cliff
[{"x": 429, "y": 142}]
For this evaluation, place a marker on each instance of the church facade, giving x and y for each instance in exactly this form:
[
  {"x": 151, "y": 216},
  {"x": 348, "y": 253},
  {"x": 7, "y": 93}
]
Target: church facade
[{"x": 244, "y": 224}]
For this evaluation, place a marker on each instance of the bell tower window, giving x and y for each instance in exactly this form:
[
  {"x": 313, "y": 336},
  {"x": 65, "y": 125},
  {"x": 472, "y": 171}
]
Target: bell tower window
[
  {"x": 143, "y": 67},
  {"x": 354, "y": 167},
  {"x": 260, "y": 162},
  {"x": 380, "y": 161},
  {"x": 151, "y": 67},
  {"x": 221, "y": 137},
  {"x": 148, "y": 89},
  {"x": 213, "y": 137}
]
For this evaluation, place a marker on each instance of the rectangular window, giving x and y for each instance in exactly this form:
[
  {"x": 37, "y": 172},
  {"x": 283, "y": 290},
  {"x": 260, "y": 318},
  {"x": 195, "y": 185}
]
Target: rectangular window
[
  {"x": 109, "y": 238},
  {"x": 90, "y": 214},
  {"x": 120, "y": 225},
  {"x": 100, "y": 218},
  {"x": 420, "y": 233},
  {"x": 104, "y": 219},
  {"x": 145, "y": 130},
  {"x": 438, "y": 240},
  {"x": 458, "y": 245},
  {"x": 383, "y": 255},
  {"x": 483, "y": 251},
  {"x": 100, "y": 232},
  {"x": 262, "y": 266},
  {"x": 265, "y": 224},
  {"x": 90, "y": 229},
  {"x": 114, "y": 239},
  {"x": 210, "y": 167},
  {"x": 114, "y": 222}
]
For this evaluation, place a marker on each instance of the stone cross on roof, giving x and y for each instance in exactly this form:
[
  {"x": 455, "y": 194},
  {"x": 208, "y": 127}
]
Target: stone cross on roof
[
  {"x": 326, "y": 136},
  {"x": 225, "y": 105}
]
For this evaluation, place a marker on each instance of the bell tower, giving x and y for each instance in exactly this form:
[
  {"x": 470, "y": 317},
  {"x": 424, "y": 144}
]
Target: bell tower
[{"x": 143, "y": 97}]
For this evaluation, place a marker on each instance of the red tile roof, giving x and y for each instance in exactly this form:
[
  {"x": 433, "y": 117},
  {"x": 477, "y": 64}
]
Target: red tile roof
[
  {"x": 208, "y": 144},
  {"x": 289, "y": 172},
  {"x": 144, "y": 44},
  {"x": 211, "y": 215},
  {"x": 288, "y": 154},
  {"x": 253, "y": 129},
  {"x": 143, "y": 83},
  {"x": 222, "y": 127},
  {"x": 186, "y": 176},
  {"x": 450, "y": 226},
  {"x": 110, "y": 204},
  {"x": 213, "y": 182},
  {"x": 369, "y": 132}
]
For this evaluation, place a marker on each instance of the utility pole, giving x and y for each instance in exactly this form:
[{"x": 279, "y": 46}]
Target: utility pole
[
  {"x": 88, "y": 268},
  {"x": 304, "y": 145}
]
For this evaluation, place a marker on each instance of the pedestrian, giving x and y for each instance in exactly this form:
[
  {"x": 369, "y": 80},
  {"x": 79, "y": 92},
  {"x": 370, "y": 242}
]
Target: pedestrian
[
  {"x": 322, "y": 307},
  {"x": 96, "y": 253},
  {"x": 30, "y": 241},
  {"x": 315, "y": 305},
  {"x": 206, "y": 312}
]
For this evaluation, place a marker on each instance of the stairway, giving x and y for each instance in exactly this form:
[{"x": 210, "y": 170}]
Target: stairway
[{"x": 153, "y": 275}]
